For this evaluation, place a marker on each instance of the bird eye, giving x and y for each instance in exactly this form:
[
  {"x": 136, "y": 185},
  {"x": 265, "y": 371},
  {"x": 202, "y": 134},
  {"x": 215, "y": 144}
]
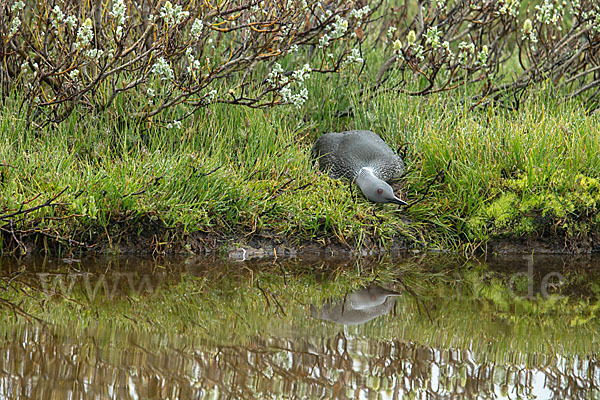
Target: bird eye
[{"x": 379, "y": 191}]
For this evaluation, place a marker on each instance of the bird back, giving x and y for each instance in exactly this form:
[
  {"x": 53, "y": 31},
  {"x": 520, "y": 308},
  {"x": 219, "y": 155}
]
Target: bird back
[{"x": 343, "y": 154}]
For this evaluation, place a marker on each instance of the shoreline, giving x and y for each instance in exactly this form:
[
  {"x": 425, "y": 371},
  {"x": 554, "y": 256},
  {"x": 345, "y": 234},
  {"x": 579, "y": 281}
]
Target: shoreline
[
  {"x": 496, "y": 183},
  {"x": 266, "y": 246}
]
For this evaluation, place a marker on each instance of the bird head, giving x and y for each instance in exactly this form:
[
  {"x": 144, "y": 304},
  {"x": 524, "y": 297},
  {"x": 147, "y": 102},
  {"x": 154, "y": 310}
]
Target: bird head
[{"x": 375, "y": 189}]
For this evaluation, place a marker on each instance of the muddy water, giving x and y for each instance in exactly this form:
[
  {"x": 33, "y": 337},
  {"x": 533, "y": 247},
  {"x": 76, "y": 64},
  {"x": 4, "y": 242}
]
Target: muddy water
[{"x": 430, "y": 328}]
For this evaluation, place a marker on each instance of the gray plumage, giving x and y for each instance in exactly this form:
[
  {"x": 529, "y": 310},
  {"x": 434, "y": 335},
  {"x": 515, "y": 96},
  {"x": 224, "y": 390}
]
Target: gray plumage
[
  {"x": 358, "y": 307},
  {"x": 370, "y": 297},
  {"x": 363, "y": 158}
]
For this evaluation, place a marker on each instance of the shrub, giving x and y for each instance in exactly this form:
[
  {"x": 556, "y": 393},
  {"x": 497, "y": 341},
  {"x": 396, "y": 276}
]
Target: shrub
[
  {"x": 157, "y": 55},
  {"x": 507, "y": 46}
]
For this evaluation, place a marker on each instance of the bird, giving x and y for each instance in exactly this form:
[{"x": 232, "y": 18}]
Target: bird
[
  {"x": 371, "y": 296},
  {"x": 362, "y": 157},
  {"x": 363, "y": 305}
]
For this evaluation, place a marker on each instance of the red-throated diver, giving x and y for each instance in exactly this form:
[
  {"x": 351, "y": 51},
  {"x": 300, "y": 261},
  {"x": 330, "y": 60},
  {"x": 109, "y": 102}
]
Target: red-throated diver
[{"x": 364, "y": 158}]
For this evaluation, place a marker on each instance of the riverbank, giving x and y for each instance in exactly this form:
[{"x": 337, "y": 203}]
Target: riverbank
[{"x": 236, "y": 178}]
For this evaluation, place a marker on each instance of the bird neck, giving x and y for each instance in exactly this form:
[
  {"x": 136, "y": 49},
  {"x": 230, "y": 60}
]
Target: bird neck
[{"x": 364, "y": 176}]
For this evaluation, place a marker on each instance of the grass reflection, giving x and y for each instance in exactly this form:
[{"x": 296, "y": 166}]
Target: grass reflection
[{"x": 445, "y": 303}]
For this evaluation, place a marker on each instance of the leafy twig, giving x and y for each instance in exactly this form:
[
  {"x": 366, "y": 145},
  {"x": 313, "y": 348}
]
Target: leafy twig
[{"x": 48, "y": 203}]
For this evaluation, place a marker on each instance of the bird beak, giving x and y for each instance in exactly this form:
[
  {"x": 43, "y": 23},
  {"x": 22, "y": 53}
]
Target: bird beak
[{"x": 396, "y": 200}]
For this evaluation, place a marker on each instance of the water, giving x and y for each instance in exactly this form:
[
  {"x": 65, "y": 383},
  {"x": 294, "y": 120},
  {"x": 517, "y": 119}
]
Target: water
[{"x": 426, "y": 328}]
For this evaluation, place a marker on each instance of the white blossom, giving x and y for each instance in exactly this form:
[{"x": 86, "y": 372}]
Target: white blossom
[
  {"x": 432, "y": 37},
  {"x": 14, "y": 26},
  {"x": 17, "y": 6},
  {"x": 210, "y": 96},
  {"x": 297, "y": 99},
  {"x": 303, "y": 73},
  {"x": 194, "y": 64},
  {"x": 417, "y": 50},
  {"x": 162, "y": 69},
  {"x": 528, "y": 31},
  {"x": 85, "y": 34},
  {"x": 275, "y": 73},
  {"x": 298, "y": 78},
  {"x": 71, "y": 21},
  {"x": 58, "y": 14},
  {"x": 482, "y": 57},
  {"x": 390, "y": 32},
  {"x": 277, "y": 68},
  {"x": 465, "y": 50},
  {"x": 446, "y": 46},
  {"x": 197, "y": 27},
  {"x": 594, "y": 20},
  {"x": 360, "y": 14},
  {"x": 286, "y": 93},
  {"x": 549, "y": 12},
  {"x": 324, "y": 41},
  {"x": 210, "y": 42},
  {"x": 354, "y": 57},
  {"x": 175, "y": 124},
  {"x": 173, "y": 14},
  {"x": 118, "y": 12},
  {"x": 339, "y": 27},
  {"x": 466, "y": 47},
  {"x": 150, "y": 92},
  {"x": 94, "y": 54},
  {"x": 510, "y": 7},
  {"x": 74, "y": 74}
]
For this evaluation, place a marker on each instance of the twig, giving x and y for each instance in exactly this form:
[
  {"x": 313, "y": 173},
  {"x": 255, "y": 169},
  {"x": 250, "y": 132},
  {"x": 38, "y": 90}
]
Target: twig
[
  {"x": 154, "y": 181},
  {"x": 22, "y": 312},
  {"x": 29, "y": 210},
  {"x": 211, "y": 171},
  {"x": 277, "y": 191},
  {"x": 264, "y": 294}
]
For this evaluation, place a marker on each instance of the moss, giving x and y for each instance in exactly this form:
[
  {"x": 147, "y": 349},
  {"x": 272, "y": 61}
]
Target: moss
[
  {"x": 567, "y": 206},
  {"x": 503, "y": 211}
]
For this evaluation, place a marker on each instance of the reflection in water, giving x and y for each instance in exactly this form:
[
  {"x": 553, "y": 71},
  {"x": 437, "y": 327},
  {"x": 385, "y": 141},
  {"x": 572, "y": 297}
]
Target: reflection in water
[
  {"x": 43, "y": 364},
  {"x": 358, "y": 307},
  {"x": 248, "y": 335}
]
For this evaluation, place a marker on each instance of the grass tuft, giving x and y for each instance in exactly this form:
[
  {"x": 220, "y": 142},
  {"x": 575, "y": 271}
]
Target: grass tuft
[{"x": 475, "y": 176}]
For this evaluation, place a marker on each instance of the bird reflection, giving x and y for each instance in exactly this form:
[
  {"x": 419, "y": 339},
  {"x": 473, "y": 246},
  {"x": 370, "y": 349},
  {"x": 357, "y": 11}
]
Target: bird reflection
[{"x": 358, "y": 307}]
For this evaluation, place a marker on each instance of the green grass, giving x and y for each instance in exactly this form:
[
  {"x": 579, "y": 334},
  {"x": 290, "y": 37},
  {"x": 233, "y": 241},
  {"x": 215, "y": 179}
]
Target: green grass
[{"x": 235, "y": 172}]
